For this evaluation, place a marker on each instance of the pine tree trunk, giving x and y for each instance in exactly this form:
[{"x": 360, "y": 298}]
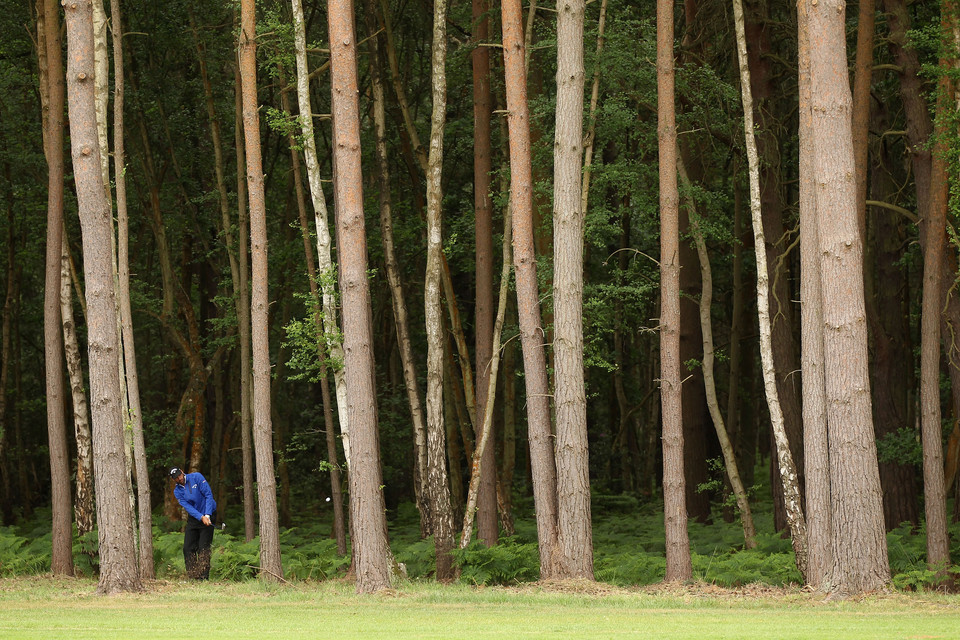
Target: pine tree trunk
[
  {"x": 483, "y": 215},
  {"x": 62, "y": 552},
  {"x": 367, "y": 519},
  {"x": 243, "y": 321},
  {"x": 859, "y": 545},
  {"x": 118, "y": 566},
  {"x": 543, "y": 466},
  {"x": 572, "y": 452},
  {"x": 674, "y": 500},
  {"x": 271, "y": 568},
  {"x": 816, "y": 457}
]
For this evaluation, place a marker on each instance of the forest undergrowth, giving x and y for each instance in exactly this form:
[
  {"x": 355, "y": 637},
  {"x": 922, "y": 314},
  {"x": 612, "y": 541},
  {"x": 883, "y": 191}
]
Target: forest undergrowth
[{"x": 628, "y": 536}]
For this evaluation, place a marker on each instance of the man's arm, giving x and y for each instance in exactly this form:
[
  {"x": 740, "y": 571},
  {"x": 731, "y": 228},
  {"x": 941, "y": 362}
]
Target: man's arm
[{"x": 209, "y": 504}]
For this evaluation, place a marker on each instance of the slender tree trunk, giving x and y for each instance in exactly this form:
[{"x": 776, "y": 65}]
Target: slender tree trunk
[
  {"x": 61, "y": 553},
  {"x": 594, "y": 99},
  {"x": 144, "y": 514},
  {"x": 674, "y": 500},
  {"x": 706, "y": 330},
  {"x": 934, "y": 492},
  {"x": 368, "y": 524},
  {"x": 483, "y": 216},
  {"x": 816, "y": 456},
  {"x": 270, "y": 565},
  {"x": 393, "y": 277},
  {"x": 9, "y": 304},
  {"x": 543, "y": 466},
  {"x": 572, "y": 452},
  {"x": 243, "y": 320},
  {"x": 859, "y": 545},
  {"x": 118, "y": 566}
]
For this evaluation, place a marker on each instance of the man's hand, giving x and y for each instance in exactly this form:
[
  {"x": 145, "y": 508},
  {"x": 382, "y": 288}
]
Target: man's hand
[{"x": 205, "y": 520}]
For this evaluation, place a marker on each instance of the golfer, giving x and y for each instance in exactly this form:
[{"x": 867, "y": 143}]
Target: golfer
[{"x": 193, "y": 493}]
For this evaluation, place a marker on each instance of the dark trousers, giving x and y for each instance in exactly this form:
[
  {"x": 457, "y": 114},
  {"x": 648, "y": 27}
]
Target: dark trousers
[{"x": 197, "y": 539}]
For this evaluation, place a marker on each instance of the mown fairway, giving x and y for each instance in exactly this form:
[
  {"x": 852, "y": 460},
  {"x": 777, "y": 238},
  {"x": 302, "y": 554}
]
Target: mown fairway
[{"x": 44, "y": 608}]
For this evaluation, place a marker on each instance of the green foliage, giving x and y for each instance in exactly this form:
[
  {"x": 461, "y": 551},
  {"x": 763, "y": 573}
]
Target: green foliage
[
  {"x": 21, "y": 556},
  {"x": 508, "y": 562}
]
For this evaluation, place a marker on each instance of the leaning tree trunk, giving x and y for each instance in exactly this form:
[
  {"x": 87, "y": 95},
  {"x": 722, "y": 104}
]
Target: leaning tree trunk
[
  {"x": 438, "y": 486},
  {"x": 674, "y": 499},
  {"x": 859, "y": 545},
  {"x": 270, "y": 565},
  {"x": 575, "y": 533},
  {"x": 368, "y": 523},
  {"x": 543, "y": 466},
  {"x": 118, "y": 564},
  {"x": 61, "y": 562},
  {"x": 788, "y": 473},
  {"x": 706, "y": 330}
]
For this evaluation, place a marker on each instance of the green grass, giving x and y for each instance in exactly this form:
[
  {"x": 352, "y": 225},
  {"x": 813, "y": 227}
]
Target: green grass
[{"x": 43, "y": 607}]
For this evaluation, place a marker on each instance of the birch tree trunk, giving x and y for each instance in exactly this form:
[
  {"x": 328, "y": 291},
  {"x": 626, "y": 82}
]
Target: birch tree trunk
[
  {"x": 437, "y": 482},
  {"x": 788, "y": 473},
  {"x": 368, "y": 523},
  {"x": 543, "y": 466},
  {"x": 575, "y": 532},
  {"x": 271, "y": 568},
  {"x": 118, "y": 566},
  {"x": 677, "y": 541},
  {"x": 61, "y": 562}
]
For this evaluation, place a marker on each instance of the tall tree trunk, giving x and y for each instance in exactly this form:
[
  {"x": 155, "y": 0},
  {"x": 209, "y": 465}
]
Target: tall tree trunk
[
  {"x": 934, "y": 492},
  {"x": 9, "y": 304},
  {"x": 438, "y": 484},
  {"x": 118, "y": 564},
  {"x": 594, "y": 99},
  {"x": 575, "y": 533},
  {"x": 393, "y": 277},
  {"x": 368, "y": 524},
  {"x": 788, "y": 473},
  {"x": 816, "y": 457},
  {"x": 243, "y": 321},
  {"x": 62, "y": 549},
  {"x": 543, "y": 466},
  {"x": 674, "y": 500},
  {"x": 859, "y": 545},
  {"x": 270, "y": 565},
  {"x": 144, "y": 513},
  {"x": 483, "y": 217}
]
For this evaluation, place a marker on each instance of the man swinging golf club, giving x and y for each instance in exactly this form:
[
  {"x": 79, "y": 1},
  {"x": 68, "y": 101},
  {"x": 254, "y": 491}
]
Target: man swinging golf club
[{"x": 194, "y": 495}]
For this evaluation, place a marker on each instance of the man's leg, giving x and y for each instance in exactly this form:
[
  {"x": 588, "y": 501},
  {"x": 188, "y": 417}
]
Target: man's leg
[
  {"x": 203, "y": 549},
  {"x": 191, "y": 544}
]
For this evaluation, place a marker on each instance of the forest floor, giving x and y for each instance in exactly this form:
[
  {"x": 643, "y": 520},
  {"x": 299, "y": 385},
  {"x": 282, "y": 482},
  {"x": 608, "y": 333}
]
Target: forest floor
[{"x": 45, "y": 607}]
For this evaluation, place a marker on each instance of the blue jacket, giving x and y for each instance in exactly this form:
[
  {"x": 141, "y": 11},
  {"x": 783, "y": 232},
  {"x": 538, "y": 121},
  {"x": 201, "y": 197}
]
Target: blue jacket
[{"x": 195, "y": 496}]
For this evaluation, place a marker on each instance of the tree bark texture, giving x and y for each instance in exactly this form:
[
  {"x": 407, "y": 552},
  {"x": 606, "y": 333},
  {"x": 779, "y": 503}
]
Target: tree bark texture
[
  {"x": 118, "y": 564},
  {"x": 677, "y": 541},
  {"x": 483, "y": 215},
  {"x": 368, "y": 524},
  {"x": 61, "y": 562},
  {"x": 438, "y": 485},
  {"x": 575, "y": 533},
  {"x": 859, "y": 544},
  {"x": 543, "y": 466},
  {"x": 270, "y": 564}
]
